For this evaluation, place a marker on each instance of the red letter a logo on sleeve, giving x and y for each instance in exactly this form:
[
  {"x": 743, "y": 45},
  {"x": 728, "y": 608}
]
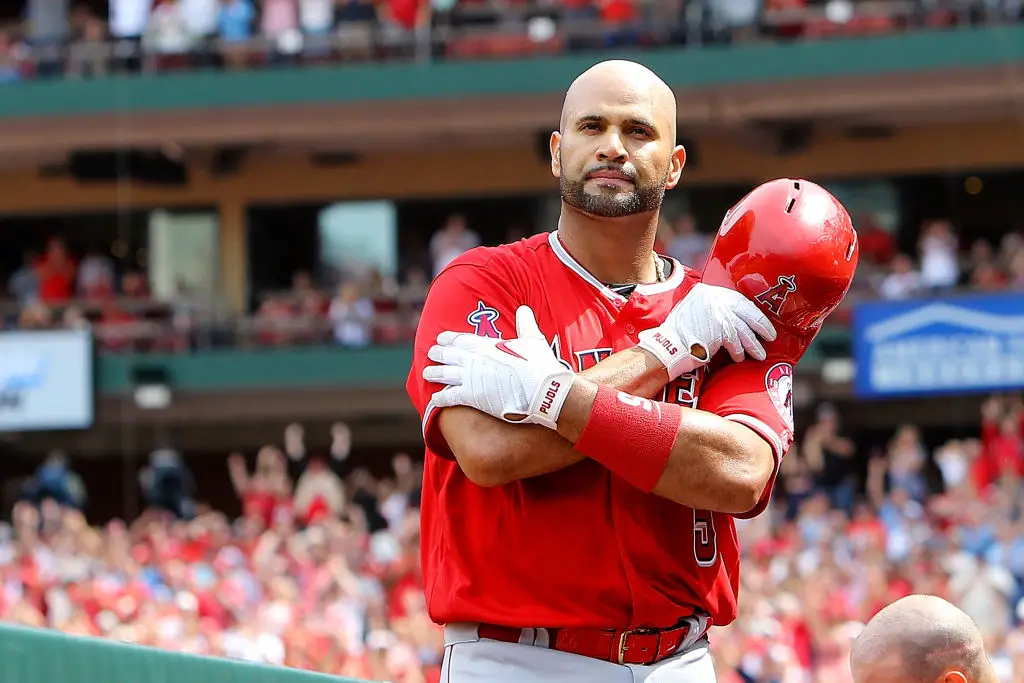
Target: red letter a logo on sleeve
[{"x": 483, "y": 320}]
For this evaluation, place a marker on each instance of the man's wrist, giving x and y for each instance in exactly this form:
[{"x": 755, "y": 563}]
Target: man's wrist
[
  {"x": 549, "y": 401},
  {"x": 671, "y": 351},
  {"x": 654, "y": 364},
  {"x": 576, "y": 409},
  {"x": 612, "y": 423}
]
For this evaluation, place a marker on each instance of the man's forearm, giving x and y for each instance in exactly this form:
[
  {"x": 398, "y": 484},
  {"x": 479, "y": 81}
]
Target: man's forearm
[
  {"x": 507, "y": 452},
  {"x": 633, "y": 371},
  {"x": 714, "y": 464}
]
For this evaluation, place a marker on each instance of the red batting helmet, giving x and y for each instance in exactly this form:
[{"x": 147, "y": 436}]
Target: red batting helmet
[{"x": 790, "y": 247}]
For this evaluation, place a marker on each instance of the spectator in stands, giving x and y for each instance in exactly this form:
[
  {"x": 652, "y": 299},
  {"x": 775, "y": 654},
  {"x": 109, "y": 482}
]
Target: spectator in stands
[
  {"x": 987, "y": 277},
  {"x": 937, "y": 248},
  {"x": 798, "y": 481},
  {"x": 56, "y": 271},
  {"x": 279, "y": 24},
  {"x": 267, "y": 490},
  {"x": 10, "y": 67},
  {"x": 55, "y": 480},
  {"x": 117, "y": 327},
  {"x": 273, "y": 323},
  {"x": 1015, "y": 271},
  {"x": 725, "y": 19},
  {"x": 351, "y": 313},
  {"x": 1002, "y": 447},
  {"x": 981, "y": 252},
  {"x": 167, "y": 30},
  {"x": 953, "y": 461},
  {"x": 620, "y": 18},
  {"x": 906, "y": 463},
  {"x": 95, "y": 275},
  {"x": 451, "y": 241},
  {"x": 302, "y": 284},
  {"x": 168, "y": 484},
  {"x": 903, "y": 280},
  {"x": 830, "y": 456},
  {"x": 316, "y": 18},
  {"x": 201, "y": 23},
  {"x": 24, "y": 282},
  {"x": 48, "y": 31},
  {"x": 88, "y": 56},
  {"x": 356, "y": 11},
  {"x": 235, "y": 29},
  {"x": 876, "y": 244},
  {"x": 319, "y": 493},
  {"x": 401, "y": 20},
  {"x": 128, "y": 21}
]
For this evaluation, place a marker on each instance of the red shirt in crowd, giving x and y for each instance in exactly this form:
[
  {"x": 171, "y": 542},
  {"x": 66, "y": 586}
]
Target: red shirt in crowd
[
  {"x": 56, "y": 278},
  {"x": 1002, "y": 452},
  {"x": 405, "y": 12}
]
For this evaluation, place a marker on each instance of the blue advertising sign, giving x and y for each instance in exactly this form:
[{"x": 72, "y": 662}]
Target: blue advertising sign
[
  {"x": 46, "y": 380},
  {"x": 964, "y": 344}
]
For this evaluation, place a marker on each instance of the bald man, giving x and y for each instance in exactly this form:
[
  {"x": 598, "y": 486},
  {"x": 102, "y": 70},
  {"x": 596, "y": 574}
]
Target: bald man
[
  {"x": 920, "y": 639},
  {"x": 545, "y": 563}
]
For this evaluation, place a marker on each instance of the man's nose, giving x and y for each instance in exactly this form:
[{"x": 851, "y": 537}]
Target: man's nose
[{"x": 611, "y": 148}]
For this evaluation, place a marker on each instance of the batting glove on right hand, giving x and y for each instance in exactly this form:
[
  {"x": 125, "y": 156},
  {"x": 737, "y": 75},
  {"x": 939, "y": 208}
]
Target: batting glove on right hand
[
  {"x": 706, "y": 320},
  {"x": 517, "y": 380}
]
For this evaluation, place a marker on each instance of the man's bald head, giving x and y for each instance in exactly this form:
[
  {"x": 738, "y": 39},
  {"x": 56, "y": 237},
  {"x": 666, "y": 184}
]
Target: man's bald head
[
  {"x": 615, "y": 151},
  {"x": 920, "y": 639},
  {"x": 619, "y": 78}
]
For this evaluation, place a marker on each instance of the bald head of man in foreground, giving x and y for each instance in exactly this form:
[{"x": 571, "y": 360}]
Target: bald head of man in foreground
[{"x": 920, "y": 639}]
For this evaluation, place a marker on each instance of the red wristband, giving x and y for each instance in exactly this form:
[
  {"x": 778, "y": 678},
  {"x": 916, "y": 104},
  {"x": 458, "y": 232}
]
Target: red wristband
[{"x": 631, "y": 436}]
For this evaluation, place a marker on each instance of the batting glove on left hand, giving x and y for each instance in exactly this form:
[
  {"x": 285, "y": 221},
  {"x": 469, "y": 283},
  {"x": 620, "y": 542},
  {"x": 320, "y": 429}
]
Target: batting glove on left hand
[
  {"x": 708, "y": 318},
  {"x": 516, "y": 380}
]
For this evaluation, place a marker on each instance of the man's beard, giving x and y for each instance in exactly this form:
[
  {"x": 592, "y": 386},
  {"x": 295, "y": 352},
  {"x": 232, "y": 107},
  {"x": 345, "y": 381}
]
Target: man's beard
[{"x": 609, "y": 204}]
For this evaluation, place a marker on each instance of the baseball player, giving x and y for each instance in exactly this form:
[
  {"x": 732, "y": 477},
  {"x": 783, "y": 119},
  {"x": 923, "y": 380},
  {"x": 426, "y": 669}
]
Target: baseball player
[
  {"x": 577, "y": 513},
  {"x": 920, "y": 639}
]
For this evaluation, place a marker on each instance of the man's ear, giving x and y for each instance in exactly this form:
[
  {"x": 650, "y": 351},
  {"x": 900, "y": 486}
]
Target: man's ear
[
  {"x": 555, "y": 144},
  {"x": 953, "y": 677},
  {"x": 675, "y": 169}
]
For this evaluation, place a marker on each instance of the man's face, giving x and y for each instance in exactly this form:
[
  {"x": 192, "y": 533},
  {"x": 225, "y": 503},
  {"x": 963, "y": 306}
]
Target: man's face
[{"x": 616, "y": 155}]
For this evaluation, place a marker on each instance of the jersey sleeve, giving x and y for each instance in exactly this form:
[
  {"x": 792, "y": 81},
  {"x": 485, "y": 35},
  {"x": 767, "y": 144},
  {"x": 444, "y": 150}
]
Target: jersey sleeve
[
  {"x": 477, "y": 293},
  {"x": 758, "y": 395}
]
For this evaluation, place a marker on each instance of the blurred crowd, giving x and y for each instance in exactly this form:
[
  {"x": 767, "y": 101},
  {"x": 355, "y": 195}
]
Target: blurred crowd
[
  {"x": 57, "y": 288},
  {"x": 853, "y": 530},
  {"x": 87, "y": 39},
  {"x": 940, "y": 264},
  {"x": 321, "y": 569},
  {"x": 320, "y": 572}
]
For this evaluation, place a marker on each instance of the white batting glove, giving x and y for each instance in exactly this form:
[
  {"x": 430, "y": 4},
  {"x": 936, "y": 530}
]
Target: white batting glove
[
  {"x": 708, "y": 319},
  {"x": 517, "y": 380}
]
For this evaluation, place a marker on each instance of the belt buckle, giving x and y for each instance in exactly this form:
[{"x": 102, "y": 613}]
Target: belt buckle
[{"x": 621, "y": 649}]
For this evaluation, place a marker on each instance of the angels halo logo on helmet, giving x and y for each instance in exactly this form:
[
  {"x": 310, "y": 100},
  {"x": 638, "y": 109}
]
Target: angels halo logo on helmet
[{"x": 790, "y": 247}]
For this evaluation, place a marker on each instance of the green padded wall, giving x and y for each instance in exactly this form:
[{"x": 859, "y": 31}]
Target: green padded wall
[{"x": 38, "y": 656}]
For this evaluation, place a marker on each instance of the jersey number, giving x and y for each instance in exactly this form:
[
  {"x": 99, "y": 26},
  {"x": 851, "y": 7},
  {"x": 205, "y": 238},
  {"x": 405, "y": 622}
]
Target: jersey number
[{"x": 705, "y": 539}]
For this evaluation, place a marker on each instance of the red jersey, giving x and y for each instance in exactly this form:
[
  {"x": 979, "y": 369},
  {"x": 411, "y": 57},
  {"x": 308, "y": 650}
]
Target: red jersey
[{"x": 579, "y": 547}]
